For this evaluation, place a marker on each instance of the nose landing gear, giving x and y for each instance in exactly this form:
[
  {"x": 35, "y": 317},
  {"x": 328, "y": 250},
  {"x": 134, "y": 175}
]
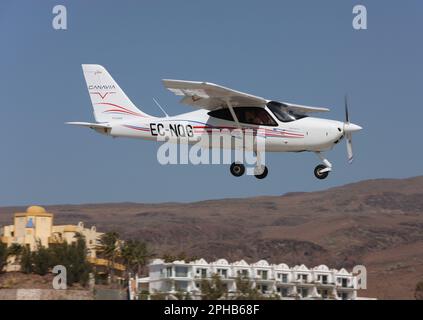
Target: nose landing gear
[{"x": 322, "y": 171}]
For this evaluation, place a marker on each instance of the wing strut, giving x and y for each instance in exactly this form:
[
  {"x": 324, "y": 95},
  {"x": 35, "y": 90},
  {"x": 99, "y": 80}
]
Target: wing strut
[{"x": 231, "y": 109}]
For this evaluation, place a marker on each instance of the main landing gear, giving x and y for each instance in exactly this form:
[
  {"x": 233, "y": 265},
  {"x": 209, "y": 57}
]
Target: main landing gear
[
  {"x": 260, "y": 170},
  {"x": 238, "y": 170},
  {"x": 322, "y": 171}
]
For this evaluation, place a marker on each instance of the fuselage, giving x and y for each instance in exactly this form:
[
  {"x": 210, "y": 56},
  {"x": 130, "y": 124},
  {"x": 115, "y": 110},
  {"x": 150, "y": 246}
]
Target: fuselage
[{"x": 305, "y": 134}]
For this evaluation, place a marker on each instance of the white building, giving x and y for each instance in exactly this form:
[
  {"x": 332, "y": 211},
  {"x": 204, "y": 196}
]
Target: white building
[{"x": 298, "y": 282}]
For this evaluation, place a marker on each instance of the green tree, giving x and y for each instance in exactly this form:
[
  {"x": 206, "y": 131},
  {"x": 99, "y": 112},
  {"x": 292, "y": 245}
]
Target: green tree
[
  {"x": 136, "y": 255},
  {"x": 109, "y": 249},
  {"x": 15, "y": 250},
  {"x": 26, "y": 260},
  {"x": 80, "y": 268},
  {"x": 3, "y": 256},
  {"x": 178, "y": 257},
  {"x": 42, "y": 260},
  {"x": 418, "y": 293},
  {"x": 74, "y": 258},
  {"x": 245, "y": 289},
  {"x": 213, "y": 289}
]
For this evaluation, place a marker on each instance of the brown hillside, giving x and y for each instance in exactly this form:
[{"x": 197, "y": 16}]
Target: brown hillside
[{"x": 378, "y": 223}]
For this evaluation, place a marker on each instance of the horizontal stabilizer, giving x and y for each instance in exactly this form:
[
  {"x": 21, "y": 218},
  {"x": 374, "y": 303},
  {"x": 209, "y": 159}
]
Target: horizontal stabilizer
[{"x": 90, "y": 125}]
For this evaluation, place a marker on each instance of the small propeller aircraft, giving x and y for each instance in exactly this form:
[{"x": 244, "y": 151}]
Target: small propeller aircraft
[{"x": 287, "y": 127}]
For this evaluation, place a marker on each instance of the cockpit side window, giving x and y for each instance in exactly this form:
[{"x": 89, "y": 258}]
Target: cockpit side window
[
  {"x": 224, "y": 114},
  {"x": 249, "y": 115},
  {"x": 254, "y": 115},
  {"x": 283, "y": 114}
]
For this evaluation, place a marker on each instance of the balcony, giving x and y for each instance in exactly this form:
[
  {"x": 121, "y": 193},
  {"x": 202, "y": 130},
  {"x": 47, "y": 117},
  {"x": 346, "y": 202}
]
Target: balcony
[
  {"x": 106, "y": 263},
  {"x": 325, "y": 284},
  {"x": 304, "y": 282},
  {"x": 263, "y": 279}
]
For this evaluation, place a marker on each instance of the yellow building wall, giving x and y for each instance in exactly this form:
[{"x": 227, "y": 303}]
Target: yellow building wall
[
  {"x": 20, "y": 223},
  {"x": 43, "y": 228}
]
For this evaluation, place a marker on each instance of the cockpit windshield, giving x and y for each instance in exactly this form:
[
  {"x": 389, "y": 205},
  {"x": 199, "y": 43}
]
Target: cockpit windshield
[{"x": 283, "y": 113}]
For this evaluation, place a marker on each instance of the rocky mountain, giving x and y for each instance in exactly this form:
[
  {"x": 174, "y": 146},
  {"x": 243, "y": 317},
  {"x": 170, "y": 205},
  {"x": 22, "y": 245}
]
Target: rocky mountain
[{"x": 377, "y": 223}]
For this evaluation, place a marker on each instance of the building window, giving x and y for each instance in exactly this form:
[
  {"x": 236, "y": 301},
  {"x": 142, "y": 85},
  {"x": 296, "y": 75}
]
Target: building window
[
  {"x": 303, "y": 292},
  {"x": 284, "y": 292},
  {"x": 323, "y": 293},
  {"x": 243, "y": 273},
  {"x": 302, "y": 277},
  {"x": 181, "y": 285},
  {"x": 202, "y": 273},
  {"x": 263, "y": 274},
  {"x": 262, "y": 288},
  {"x": 322, "y": 278},
  {"x": 169, "y": 272},
  {"x": 223, "y": 273},
  {"x": 181, "y": 271},
  {"x": 343, "y": 282},
  {"x": 284, "y": 278},
  {"x": 344, "y": 295}
]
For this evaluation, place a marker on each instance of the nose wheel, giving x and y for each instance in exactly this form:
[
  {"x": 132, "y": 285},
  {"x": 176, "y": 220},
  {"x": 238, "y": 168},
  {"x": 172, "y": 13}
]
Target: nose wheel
[
  {"x": 321, "y": 172},
  {"x": 237, "y": 169}
]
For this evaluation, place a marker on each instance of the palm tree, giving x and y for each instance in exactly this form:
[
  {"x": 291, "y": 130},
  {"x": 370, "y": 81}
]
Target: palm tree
[
  {"x": 109, "y": 248},
  {"x": 136, "y": 255}
]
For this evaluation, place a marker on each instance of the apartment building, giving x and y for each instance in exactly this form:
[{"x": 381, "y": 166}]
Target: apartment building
[{"x": 298, "y": 282}]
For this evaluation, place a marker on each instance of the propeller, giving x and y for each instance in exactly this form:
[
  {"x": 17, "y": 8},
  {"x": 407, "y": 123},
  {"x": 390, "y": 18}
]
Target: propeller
[{"x": 349, "y": 129}]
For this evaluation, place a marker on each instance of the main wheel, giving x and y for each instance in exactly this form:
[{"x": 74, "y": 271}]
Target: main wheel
[
  {"x": 261, "y": 173},
  {"x": 321, "y": 175},
  {"x": 237, "y": 169}
]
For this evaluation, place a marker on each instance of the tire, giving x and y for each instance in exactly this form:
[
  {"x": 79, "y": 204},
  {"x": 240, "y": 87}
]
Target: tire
[
  {"x": 263, "y": 175},
  {"x": 318, "y": 174},
  {"x": 237, "y": 169}
]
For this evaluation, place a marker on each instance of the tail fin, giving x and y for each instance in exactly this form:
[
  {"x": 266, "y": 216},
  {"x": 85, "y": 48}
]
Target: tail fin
[{"x": 109, "y": 101}]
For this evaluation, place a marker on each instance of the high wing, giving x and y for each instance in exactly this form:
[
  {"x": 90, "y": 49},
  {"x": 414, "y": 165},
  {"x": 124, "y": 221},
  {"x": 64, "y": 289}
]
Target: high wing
[{"x": 210, "y": 96}]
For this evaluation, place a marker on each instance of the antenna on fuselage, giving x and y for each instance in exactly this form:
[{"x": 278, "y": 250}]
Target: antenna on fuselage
[{"x": 158, "y": 104}]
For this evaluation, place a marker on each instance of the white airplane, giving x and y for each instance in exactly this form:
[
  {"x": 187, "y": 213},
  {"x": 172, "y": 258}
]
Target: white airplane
[{"x": 287, "y": 126}]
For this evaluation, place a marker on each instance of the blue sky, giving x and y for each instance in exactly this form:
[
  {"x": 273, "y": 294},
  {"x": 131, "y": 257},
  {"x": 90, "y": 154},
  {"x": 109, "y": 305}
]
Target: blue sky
[{"x": 299, "y": 51}]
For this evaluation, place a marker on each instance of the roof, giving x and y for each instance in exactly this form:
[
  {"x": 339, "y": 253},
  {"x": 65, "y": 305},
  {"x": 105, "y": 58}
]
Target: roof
[{"x": 34, "y": 211}]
